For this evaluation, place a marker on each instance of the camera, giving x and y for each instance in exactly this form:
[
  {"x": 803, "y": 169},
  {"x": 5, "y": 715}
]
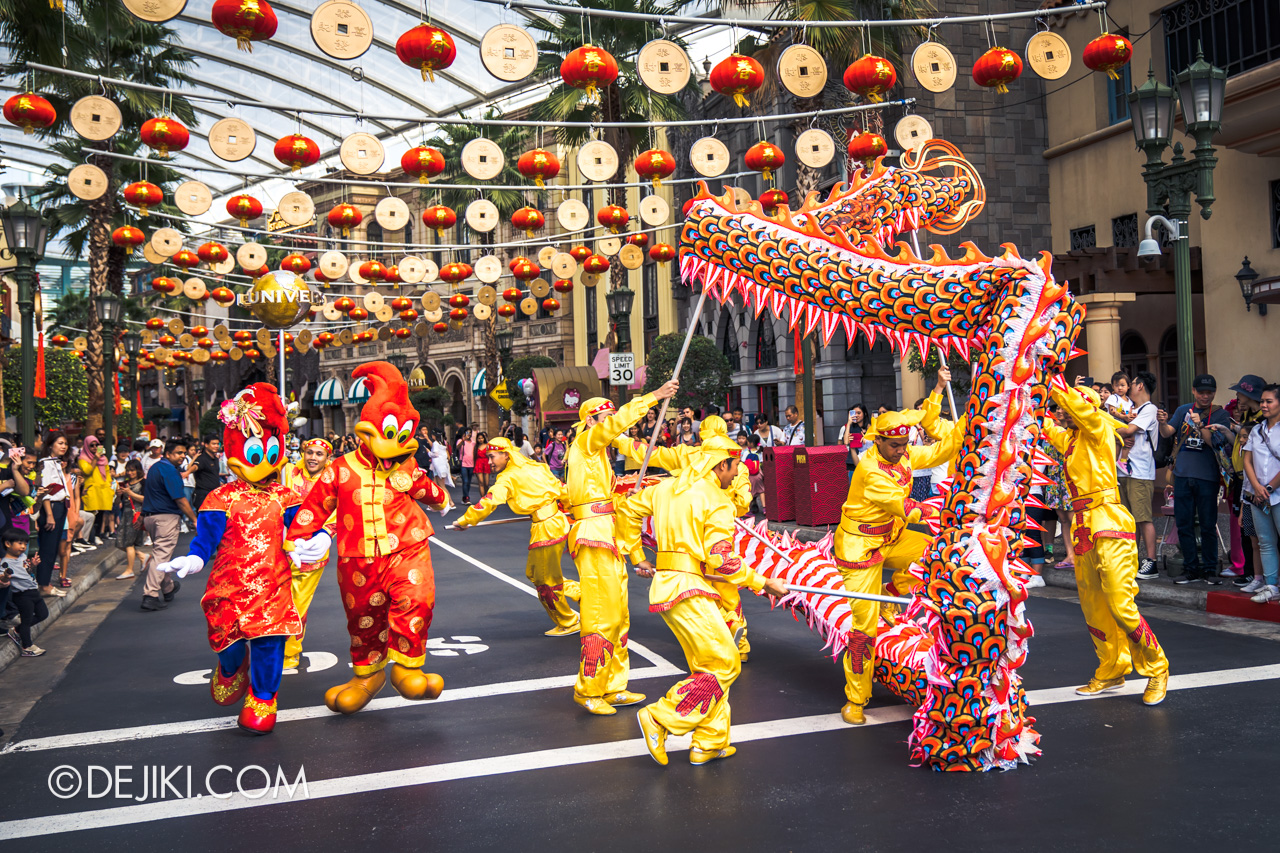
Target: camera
[{"x": 1195, "y": 442}]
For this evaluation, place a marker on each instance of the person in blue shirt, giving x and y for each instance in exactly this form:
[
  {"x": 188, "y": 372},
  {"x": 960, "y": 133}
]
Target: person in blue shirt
[
  {"x": 1196, "y": 480},
  {"x": 163, "y": 506}
]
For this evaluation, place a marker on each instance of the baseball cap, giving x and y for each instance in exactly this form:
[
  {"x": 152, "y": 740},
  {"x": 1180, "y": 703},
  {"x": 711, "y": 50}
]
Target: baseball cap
[
  {"x": 1251, "y": 386},
  {"x": 1204, "y": 382},
  {"x": 155, "y": 442}
]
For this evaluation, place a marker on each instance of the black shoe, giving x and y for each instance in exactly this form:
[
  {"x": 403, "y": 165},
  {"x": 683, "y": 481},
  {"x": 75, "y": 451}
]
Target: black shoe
[
  {"x": 1243, "y": 580},
  {"x": 168, "y": 596},
  {"x": 1186, "y": 579},
  {"x": 1147, "y": 570},
  {"x": 1212, "y": 581},
  {"x": 151, "y": 602}
]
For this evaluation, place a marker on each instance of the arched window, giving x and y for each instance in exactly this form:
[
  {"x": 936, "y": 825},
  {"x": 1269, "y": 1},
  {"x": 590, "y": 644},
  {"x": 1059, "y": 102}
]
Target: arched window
[
  {"x": 373, "y": 234},
  {"x": 1169, "y": 369},
  {"x": 766, "y": 343},
  {"x": 1133, "y": 353},
  {"x": 729, "y": 340}
]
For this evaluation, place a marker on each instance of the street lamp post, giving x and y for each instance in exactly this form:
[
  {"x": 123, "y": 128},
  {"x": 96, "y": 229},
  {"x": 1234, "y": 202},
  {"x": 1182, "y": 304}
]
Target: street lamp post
[
  {"x": 197, "y": 388},
  {"x": 506, "y": 343},
  {"x": 133, "y": 346},
  {"x": 107, "y": 306},
  {"x": 1201, "y": 89},
  {"x": 619, "y": 302},
  {"x": 25, "y": 230}
]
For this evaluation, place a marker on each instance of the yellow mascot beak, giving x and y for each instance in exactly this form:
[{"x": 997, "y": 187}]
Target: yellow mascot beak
[{"x": 256, "y": 473}]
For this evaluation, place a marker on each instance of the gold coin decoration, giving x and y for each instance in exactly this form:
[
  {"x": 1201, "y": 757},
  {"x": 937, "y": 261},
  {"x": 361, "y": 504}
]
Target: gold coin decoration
[
  {"x": 609, "y": 246},
  {"x": 509, "y": 52},
  {"x": 487, "y": 295},
  {"x": 709, "y": 157},
  {"x": 302, "y": 340},
  {"x": 802, "y": 70},
  {"x": 430, "y": 301},
  {"x": 195, "y": 289},
  {"x": 264, "y": 338},
  {"x": 384, "y": 315},
  {"x": 597, "y": 160},
  {"x": 412, "y": 269},
  {"x": 87, "y": 182},
  {"x": 654, "y": 210},
  {"x": 346, "y": 337},
  {"x": 912, "y": 132},
  {"x": 361, "y": 153},
  {"x": 564, "y": 265},
  {"x": 236, "y": 353},
  {"x": 934, "y": 66},
  {"x": 200, "y": 356},
  {"x": 482, "y": 312},
  {"x": 226, "y": 266},
  {"x": 545, "y": 254},
  {"x": 160, "y": 354},
  {"x": 391, "y": 213},
  {"x": 148, "y": 337},
  {"x": 488, "y": 269},
  {"x": 175, "y": 326},
  {"x": 225, "y": 344},
  {"x": 373, "y": 301},
  {"x": 151, "y": 255},
  {"x": 297, "y": 208},
  {"x": 433, "y": 315},
  {"x": 528, "y": 306},
  {"x": 482, "y": 214},
  {"x": 81, "y": 343},
  {"x": 632, "y": 257},
  {"x": 741, "y": 197},
  {"x": 431, "y": 272},
  {"x": 269, "y": 351},
  {"x": 353, "y": 273},
  {"x": 590, "y": 279},
  {"x": 251, "y": 256},
  {"x": 221, "y": 332},
  {"x": 341, "y": 29},
  {"x": 540, "y": 287},
  {"x": 330, "y": 312},
  {"x": 421, "y": 329},
  {"x": 663, "y": 66},
  {"x": 166, "y": 242},
  {"x": 186, "y": 340},
  {"x": 95, "y": 117},
  {"x": 155, "y": 11},
  {"x": 573, "y": 215},
  {"x": 482, "y": 159},
  {"x": 193, "y": 198},
  {"x": 1049, "y": 55},
  {"x": 334, "y": 265},
  {"x": 232, "y": 139},
  {"x": 815, "y": 148}
]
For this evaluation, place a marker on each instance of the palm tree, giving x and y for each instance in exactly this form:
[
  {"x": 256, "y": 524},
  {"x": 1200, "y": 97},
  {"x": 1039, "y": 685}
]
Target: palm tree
[{"x": 99, "y": 37}]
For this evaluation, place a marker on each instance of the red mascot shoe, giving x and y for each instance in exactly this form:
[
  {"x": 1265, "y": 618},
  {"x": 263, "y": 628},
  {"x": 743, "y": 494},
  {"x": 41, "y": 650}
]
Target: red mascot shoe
[
  {"x": 258, "y": 716},
  {"x": 228, "y": 691}
]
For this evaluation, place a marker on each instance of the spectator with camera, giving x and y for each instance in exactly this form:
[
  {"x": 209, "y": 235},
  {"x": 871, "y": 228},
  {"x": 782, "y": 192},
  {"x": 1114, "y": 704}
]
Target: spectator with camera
[
  {"x": 1138, "y": 477},
  {"x": 1262, "y": 487}
]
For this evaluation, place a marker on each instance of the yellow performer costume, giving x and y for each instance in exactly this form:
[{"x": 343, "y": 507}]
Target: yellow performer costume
[
  {"x": 604, "y": 666},
  {"x": 304, "y": 579},
  {"x": 675, "y": 459},
  {"x": 1106, "y": 552},
  {"x": 693, "y": 525},
  {"x": 530, "y": 488},
  {"x": 873, "y": 532}
]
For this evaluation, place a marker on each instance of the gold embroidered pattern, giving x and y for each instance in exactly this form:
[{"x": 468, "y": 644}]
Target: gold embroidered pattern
[
  {"x": 366, "y": 621},
  {"x": 259, "y": 707},
  {"x": 224, "y": 689},
  {"x": 377, "y": 599}
]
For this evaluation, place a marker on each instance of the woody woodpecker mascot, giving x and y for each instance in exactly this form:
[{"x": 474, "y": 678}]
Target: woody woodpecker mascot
[
  {"x": 247, "y": 602},
  {"x": 530, "y": 488},
  {"x": 384, "y": 558},
  {"x": 298, "y": 477},
  {"x": 873, "y": 533}
]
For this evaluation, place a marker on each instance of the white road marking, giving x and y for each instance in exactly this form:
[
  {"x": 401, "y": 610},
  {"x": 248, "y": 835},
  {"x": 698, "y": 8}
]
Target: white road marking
[{"x": 551, "y": 758}]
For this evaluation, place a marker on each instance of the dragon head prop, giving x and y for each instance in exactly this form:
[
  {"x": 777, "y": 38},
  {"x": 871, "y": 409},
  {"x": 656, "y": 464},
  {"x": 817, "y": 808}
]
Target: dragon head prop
[
  {"x": 387, "y": 421},
  {"x": 254, "y": 428}
]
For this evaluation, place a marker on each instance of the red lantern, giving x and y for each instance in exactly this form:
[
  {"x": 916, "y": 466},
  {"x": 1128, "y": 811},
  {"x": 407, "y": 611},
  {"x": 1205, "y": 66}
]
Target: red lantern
[
  {"x": 539, "y": 164},
  {"x": 295, "y": 263},
  {"x": 212, "y": 253},
  {"x": 408, "y": 315},
  {"x": 128, "y": 237},
  {"x": 259, "y": 272},
  {"x": 199, "y": 331},
  {"x": 662, "y": 252},
  {"x": 442, "y": 327},
  {"x": 427, "y": 48},
  {"x": 524, "y": 269},
  {"x": 871, "y": 76},
  {"x": 589, "y": 68},
  {"x": 223, "y": 296},
  {"x": 580, "y": 253},
  {"x": 164, "y": 134},
  {"x": 344, "y": 303},
  {"x": 457, "y": 315},
  {"x": 219, "y": 356},
  {"x": 185, "y": 259},
  {"x": 439, "y": 217},
  {"x": 391, "y": 275},
  {"x": 640, "y": 240},
  {"x": 324, "y": 338},
  {"x": 771, "y": 200},
  {"x": 372, "y": 271},
  {"x": 242, "y": 336},
  {"x": 252, "y": 354},
  {"x": 404, "y": 331},
  {"x": 458, "y": 300},
  {"x": 155, "y": 323},
  {"x": 345, "y": 216},
  {"x": 164, "y": 284},
  {"x": 244, "y": 207},
  {"x": 246, "y": 21},
  {"x": 551, "y": 305},
  {"x": 1108, "y": 53},
  {"x": 166, "y": 340},
  {"x": 358, "y": 314},
  {"x": 296, "y": 151},
  {"x": 563, "y": 285},
  {"x": 867, "y": 147},
  {"x": 765, "y": 157},
  {"x": 205, "y": 343},
  {"x": 59, "y": 340},
  {"x": 613, "y": 217},
  {"x": 737, "y": 76},
  {"x": 655, "y": 164},
  {"x": 143, "y": 194},
  {"x": 529, "y": 220},
  {"x": 422, "y": 161},
  {"x": 455, "y": 272},
  {"x": 997, "y": 68},
  {"x": 506, "y": 311},
  {"x": 596, "y": 264},
  {"x": 30, "y": 111},
  {"x": 513, "y": 294},
  {"x": 400, "y": 303}
]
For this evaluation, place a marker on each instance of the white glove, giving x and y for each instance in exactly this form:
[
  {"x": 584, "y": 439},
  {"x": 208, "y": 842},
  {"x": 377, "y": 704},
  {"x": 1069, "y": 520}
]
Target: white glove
[
  {"x": 310, "y": 550},
  {"x": 183, "y": 566}
]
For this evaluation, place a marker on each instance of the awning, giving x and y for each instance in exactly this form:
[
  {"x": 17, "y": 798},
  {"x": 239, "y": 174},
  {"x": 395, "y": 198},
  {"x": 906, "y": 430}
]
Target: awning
[
  {"x": 561, "y": 390},
  {"x": 478, "y": 384},
  {"x": 329, "y": 393},
  {"x": 357, "y": 393}
]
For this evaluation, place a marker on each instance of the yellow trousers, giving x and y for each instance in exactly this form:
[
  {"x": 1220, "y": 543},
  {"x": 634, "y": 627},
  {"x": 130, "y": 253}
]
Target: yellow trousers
[
  {"x": 859, "y": 662},
  {"x": 604, "y": 664},
  {"x": 303, "y": 586},
  {"x": 700, "y": 703},
  {"x": 543, "y": 571},
  {"x": 1106, "y": 581},
  {"x": 731, "y": 609}
]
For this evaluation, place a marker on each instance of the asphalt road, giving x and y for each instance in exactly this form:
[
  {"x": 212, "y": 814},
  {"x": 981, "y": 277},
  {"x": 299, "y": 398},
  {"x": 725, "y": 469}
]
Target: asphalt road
[{"x": 505, "y": 760}]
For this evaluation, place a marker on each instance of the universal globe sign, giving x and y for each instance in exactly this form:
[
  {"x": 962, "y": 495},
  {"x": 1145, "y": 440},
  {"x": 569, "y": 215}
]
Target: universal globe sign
[{"x": 278, "y": 299}]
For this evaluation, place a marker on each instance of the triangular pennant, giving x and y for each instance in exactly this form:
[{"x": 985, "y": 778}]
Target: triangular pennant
[
  {"x": 1035, "y": 502},
  {"x": 962, "y": 347},
  {"x": 812, "y": 315},
  {"x": 795, "y": 307},
  {"x": 850, "y": 329},
  {"x": 1076, "y": 353},
  {"x": 777, "y": 302},
  {"x": 870, "y": 331},
  {"x": 830, "y": 322}
]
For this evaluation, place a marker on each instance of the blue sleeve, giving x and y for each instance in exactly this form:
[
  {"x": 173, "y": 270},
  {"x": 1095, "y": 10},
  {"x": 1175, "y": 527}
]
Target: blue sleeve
[
  {"x": 211, "y": 524},
  {"x": 290, "y": 512},
  {"x": 173, "y": 483}
]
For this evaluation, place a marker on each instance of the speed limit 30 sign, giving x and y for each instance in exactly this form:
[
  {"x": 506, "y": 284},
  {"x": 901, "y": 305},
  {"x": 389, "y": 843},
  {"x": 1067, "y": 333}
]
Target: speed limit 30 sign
[{"x": 622, "y": 368}]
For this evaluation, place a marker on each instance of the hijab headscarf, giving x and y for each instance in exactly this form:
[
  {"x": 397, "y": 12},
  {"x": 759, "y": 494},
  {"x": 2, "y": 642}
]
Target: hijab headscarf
[{"x": 87, "y": 454}]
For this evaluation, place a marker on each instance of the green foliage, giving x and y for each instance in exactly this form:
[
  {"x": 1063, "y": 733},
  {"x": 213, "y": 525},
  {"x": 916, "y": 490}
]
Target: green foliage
[
  {"x": 705, "y": 377},
  {"x": 71, "y": 315},
  {"x": 961, "y": 373},
  {"x": 519, "y": 370},
  {"x": 209, "y": 423},
  {"x": 66, "y": 388},
  {"x": 128, "y": 427},
  {"x": 432, "y": 405},
  {"x": 158, "y": 414},
  {"x": 512, "y": 140}
]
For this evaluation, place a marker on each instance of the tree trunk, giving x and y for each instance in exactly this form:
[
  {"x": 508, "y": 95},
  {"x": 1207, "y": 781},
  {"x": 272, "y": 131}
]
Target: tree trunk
[{"x": 100, "y": 214}]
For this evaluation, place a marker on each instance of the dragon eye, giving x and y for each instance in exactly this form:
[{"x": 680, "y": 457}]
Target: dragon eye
[
  {"x": 253, "y": 451},
  {"x": 390, "y": 426},
  {"x": 273, "y": 450}
]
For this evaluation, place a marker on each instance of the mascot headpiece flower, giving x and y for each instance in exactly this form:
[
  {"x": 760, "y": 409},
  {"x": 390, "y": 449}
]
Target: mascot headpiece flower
[{"x": 255, "y": 426}]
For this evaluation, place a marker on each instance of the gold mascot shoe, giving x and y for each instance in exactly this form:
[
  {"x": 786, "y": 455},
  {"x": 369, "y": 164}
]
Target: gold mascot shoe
[
  {"x": 852, "y": 714},
  {"x": 415, "y": 684},
  {"x": 565, "y": 631},
  {"x": 1097, "y": 685},
  {"x": 702, "y": 756},
  {"x": 355, "y": 694},
  {"x": 596, "y": 706},
  {"x": 655, "y": 736},
  {"x": 624, "y": 697},
  {"x": 1157, "y": 687}
]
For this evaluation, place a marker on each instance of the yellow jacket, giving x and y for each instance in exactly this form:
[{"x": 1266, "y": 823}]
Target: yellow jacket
[
  {"x": 590, "y": 477},
  {"x": 674, "y": 458},
  {"x": 1090, "y": 451},
  {"x": 877, "y": 506},
  {"x": 98, "y": 496},
  {"x": 529, "y": 489},
  {"x": 694, "y": 531}
]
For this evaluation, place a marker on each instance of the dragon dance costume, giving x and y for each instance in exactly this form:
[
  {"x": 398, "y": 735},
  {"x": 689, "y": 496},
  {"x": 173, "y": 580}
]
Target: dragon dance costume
[
  {"x": 530, "y": 488},
  {"x": 384, "y": 556},
  {"x": 306, "y": 577},
  {"x": 693, "y": 526},
  {"x": 604, "y": 665},
  {"x": 1102, "y": 532},
  {"x": 873, "y": 532}
]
